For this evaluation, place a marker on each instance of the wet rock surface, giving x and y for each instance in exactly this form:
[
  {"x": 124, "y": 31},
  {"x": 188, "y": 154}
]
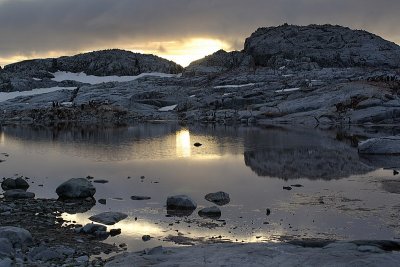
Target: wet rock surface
[
  {"x": 76, "y": 188},
  {"x": 220, "y": 198},
  {"x": 32, "y": 234},
  {"x": 108, "y": 218}
]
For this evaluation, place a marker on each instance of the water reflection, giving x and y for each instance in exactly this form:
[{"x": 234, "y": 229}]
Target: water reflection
[
  {"x": 272, "y": 152},
  {"x": 231, "y": 159}
]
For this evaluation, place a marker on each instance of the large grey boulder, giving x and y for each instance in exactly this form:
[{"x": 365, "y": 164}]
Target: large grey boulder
[
  {"x": 18, "y": 237},
  {"x": 108, "y": 218},
  {"x": 182, "y": 202},
  {"x": 383, "y": 145},
  {"x": 76, "y": 188}
]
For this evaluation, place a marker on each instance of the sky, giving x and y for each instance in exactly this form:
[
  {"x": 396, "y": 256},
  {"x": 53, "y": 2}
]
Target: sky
[{"x": 179, "y": 30}]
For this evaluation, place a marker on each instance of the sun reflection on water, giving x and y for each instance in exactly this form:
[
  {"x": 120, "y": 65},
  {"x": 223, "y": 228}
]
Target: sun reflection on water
[{"x": 183, "y": 145}]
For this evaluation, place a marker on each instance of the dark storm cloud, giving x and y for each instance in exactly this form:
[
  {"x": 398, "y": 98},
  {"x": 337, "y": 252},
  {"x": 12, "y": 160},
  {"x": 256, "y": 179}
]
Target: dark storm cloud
[{"x": 38, "y": 26}]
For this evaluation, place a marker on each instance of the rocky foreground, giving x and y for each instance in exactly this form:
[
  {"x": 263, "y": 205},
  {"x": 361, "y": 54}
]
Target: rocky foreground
[{"x": 310, "y": 75}]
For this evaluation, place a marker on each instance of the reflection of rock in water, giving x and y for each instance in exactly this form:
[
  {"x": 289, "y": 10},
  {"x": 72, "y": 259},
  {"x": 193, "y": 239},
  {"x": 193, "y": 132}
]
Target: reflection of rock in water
[
  {"x": 381, "y": 161},
  {"x": 306, "y": 162}
]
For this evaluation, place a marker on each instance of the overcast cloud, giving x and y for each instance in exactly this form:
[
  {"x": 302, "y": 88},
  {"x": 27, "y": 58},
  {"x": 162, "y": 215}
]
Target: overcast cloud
[{"x": 39, "y": 26}]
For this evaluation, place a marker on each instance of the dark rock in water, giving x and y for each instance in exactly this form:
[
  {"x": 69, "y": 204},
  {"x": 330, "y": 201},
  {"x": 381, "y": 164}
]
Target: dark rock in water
[
  {"x": 146, "y": 238},
  {"x": 197, "y": 144},
  {"x": 21, "y": 183},
  {"x": 76, "y": 188},
  {"x": 395, "y": 172},
  {"x": 179, "y": 212},
  {"x": 89, "y": 177},
  {"x": 100, "y": 181},
  {"x": 140, "y": 198},
  {"x": 287, "y": 188},
  {"x": 91, "y": 228},
  {"x": 181, "y": 202},
  {"x": 296, "y": 185},
  {"x": 18, "y": 183},
  {"x": 109, "y": 217},
  {"x": 18, "y": 194},
  {"x": 102, "y": 201},
  {"x": 211, "y": 212},
  {"x": 115, "y": 232},
  {"x": 220, "y": 198},
  {"x": 268, "y": 212}
]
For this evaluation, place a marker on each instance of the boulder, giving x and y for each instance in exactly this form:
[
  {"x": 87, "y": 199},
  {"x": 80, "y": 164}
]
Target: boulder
[
  {"x": 18, "y": 183},
  {"x": 76, "y": 188},
  {"x": 220, "y": 198},
  {"x": 6, "y": 248},
  {"x": 181, "y": 202},
  {"x": 92, "y": 228},
  {"x": 18, "y": 237},
  {"x": 18, "y": 194},
  {"x": 108, "y": 218},
  {"x": 211, "y": 212},
  {"x": 383, "y": 145}
]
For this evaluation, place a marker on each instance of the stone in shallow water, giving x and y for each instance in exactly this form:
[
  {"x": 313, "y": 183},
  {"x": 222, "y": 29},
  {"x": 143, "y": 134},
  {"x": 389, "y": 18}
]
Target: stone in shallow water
[
  {"x": 109, "y": 217},
  {"x": 91, "y": 228},
  {"x": 181, "y": 202},
  {"x": 220, "y": 198},
  {"x": 18, "y": 183},
  {"x": 18, "y": 194},
  {"x": 140, "y": 198},
  {"x": 211, "y": 212},
  {"x": 76, "y": 188}
]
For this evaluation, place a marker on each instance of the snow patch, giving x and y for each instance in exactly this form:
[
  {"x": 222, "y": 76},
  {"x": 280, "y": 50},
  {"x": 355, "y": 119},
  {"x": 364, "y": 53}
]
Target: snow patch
[
  {"x": 168, "y": 108},
  {"x": 234, "y": 85},
  {"x": 11, "y": 95},
  {"x": 287, "y": 90},
  {"x": 36, "y": 79},
  {"x": 82, "y": 77}
]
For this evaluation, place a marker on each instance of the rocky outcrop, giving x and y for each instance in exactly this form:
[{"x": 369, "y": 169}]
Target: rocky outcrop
[
  {"x": 36, "y": 73},
  {"x": 301, "y": 48},
  {"x": 219, "y": 62},
  {"x": 99, "y": 63},
  {"x": 326, "y": 45}
]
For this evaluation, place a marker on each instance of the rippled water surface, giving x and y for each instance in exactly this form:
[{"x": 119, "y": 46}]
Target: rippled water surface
[{"x": 343, "y": 195}]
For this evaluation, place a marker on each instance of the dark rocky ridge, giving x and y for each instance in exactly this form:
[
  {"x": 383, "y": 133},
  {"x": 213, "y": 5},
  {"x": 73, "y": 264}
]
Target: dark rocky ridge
[{"x": 304, "y": 47}]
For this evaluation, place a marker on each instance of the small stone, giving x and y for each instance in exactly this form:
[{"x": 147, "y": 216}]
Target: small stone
[
  {"x": 100, "y": 181},
  {"x": 220, "y": 198},
  {"x": 109, "y": 217},
  {"x": 114, "y": 232},
  {"x": 197, "y": 144},
  {"x": 268, "y": 212},
  {"x": 395, "y": 172},
  {"x": 140, "y": 198},
  {"x": 18, "y": 194},
  {"x": 287, "y": 188},
  {"x": 146, "y": 238},
  {"x": 212, "y": 213},
  {"x": 102, "y": 201}
]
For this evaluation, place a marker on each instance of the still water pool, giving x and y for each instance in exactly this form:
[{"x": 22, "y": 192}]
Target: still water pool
[{"x": 342, "y": 195}]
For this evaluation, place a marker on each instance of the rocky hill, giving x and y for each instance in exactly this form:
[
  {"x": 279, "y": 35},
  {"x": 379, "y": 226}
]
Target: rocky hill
[
  {"x": 304, "y": 48},
  {"x": 19, "y": 76}
]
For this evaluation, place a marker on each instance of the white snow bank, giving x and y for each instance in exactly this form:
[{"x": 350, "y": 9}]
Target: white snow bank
[
  {"x": 60, "y": 76},
  {"x": 168, "y": 108},
  {"x": 287, "y": 90},
  {"x": 234, "y": 85},
  {"x": 11, "y": 95}
]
